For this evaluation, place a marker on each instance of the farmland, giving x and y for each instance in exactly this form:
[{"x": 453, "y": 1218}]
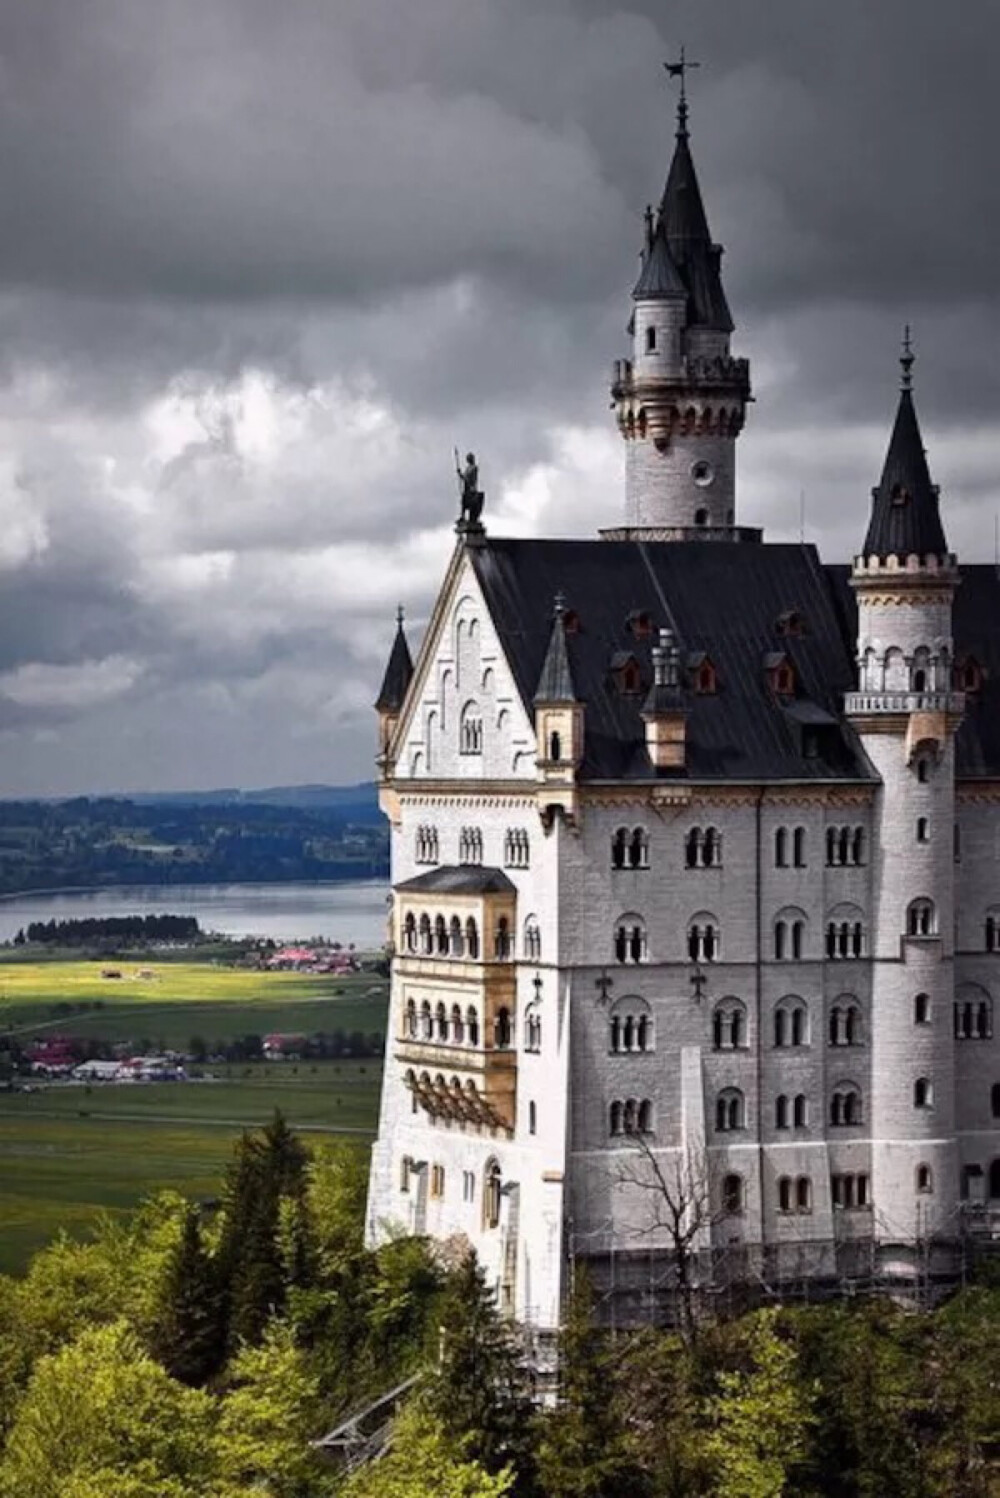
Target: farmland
[{"x": 69, "y": 1151}]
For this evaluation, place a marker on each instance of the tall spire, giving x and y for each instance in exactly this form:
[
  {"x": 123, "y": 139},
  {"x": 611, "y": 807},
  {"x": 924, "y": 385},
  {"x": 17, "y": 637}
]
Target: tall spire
[
  {"x": 398, "y": 672},
  {"x": 680, "y": 70},
  {"x": 555, "y": 684},
  {"x": 905, "y": 519}
]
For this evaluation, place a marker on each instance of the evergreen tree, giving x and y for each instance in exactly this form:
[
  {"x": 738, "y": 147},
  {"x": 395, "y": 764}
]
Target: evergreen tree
[
  {"x": 583, "y": 1446},
  {"x": 187, "y": 1338},
  {"x": 481, "y": 1391}
]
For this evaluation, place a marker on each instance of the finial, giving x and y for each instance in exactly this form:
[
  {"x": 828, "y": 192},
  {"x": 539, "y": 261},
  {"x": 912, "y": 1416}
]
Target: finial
[
  {"x": 679, "y": 70},
  {"x": 399, "y": 616},
  {"x": 650, "y": 226},
  {"x": 559, "y": 604},
  {"x": 906, "y": 359}
]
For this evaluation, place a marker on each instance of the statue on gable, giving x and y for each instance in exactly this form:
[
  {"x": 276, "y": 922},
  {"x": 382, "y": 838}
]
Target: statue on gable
[{"x": 471, "y": 495}]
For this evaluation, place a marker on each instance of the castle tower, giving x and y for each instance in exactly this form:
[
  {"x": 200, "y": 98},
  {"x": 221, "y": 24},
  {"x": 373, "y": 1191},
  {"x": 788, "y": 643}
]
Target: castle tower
[
  {"x": 907, "y": 714},
  {"x": 681, "y": 399}
]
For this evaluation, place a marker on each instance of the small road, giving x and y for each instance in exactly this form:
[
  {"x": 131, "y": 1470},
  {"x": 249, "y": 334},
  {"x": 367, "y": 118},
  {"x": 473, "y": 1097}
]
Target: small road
[{"x": 177, "y": 1118}]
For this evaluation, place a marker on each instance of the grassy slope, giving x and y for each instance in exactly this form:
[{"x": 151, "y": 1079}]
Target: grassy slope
[{"x": 67, "y": 1153}]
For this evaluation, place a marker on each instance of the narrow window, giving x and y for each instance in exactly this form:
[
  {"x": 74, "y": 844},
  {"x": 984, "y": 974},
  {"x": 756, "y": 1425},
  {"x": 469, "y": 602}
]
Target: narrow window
[
  {"x": 800, "y": 1113},
  {"x": 781, "y": 1111},
  {"x": 555, "y": 747},
  {"x": 923, "y": 830},
  {"x": 732, "y": 1194},
  {"x": 922, "y": 1009},
  {"x": 650, "y": 340},
  {"x": 924, "y": 1180},
  {"x": 995, "y": 1099},
  {"x": 784, "y": 1194},
  {"x": 532, "y": 1118},
  {"x": 781, "y": 848},
  {"x": 799, "y": 848},
  {"x": 923, "y": 1093},
  {"x": 803, "y": 1194}
]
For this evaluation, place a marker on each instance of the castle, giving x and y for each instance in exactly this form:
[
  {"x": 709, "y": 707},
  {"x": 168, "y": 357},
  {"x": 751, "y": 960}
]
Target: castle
[{"x": 696, "y": 867}]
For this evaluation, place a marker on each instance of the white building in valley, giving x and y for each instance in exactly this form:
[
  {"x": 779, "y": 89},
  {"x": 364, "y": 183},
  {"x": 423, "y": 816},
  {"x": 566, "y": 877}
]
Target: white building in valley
[{"x": 696, "y": 867}]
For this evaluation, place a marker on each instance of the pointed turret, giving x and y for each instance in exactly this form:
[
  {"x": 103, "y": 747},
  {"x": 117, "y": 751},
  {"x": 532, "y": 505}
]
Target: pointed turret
[
  {"x": 398, "y": 672},
  {"x": 389, "y": 703},
  {"x": 559, "y": 724},
  {"x": 681, "y": 398},
  {"x": 555, "y": 684},
  {"x": 905, "y": 519}
]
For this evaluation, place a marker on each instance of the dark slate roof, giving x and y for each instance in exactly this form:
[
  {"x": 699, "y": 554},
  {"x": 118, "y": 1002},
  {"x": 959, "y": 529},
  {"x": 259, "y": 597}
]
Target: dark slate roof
[
  {"x": 905, "y": 518},
  {"x": 398, "y": 674},
  {"x": 719, "y": 597},
  {"x": 976, "y": 628},
  {"x": 459, "y": 879},
  {"x": 684, "y": 225},
  {"x": 555, "y": 684},
  {"x": 659, "y": 276}
]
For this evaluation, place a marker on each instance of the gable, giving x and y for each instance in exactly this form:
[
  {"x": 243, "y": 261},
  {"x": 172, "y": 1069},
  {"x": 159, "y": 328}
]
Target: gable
[{"x": 464, "y": 716}]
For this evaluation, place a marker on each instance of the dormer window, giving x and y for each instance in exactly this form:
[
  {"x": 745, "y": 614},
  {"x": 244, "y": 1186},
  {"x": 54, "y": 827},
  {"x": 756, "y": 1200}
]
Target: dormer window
[
  {"x": 704, "y": 677},
  {"x": 780, "y": 674},
  {"x": 969, "y": 675},
  {"x": 639, "y": 624},
  {"x": 789, "y": 623},
  {"x": 626, "y": 673}
]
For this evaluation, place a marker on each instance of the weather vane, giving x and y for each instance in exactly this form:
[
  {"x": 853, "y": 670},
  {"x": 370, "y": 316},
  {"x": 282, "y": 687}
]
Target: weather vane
[
  {"x": 906, "y": 359},
  {"x": 680, "y": 70}
]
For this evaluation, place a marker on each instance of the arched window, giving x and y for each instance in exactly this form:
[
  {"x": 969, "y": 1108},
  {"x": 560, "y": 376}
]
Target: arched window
[
  {"x": 631, "y": 1026},
  {"x": 922, "y": 1009},
  {"x": 729, "y": 1025},
  {"x": 923, "y": 768},
  {"x": 532, "y": 939},
  {"x": 503, "y": 1029},
  {"x": 993, "y": 931},
  {"x": 704, "y": 939},
  {"x": 994, "y": 1180},
  {"x": 411, "y": 1018},
  {"x": 711, "y": 848},
  {"x": 456, "y": 940},
  {"x": 472, "y": 938},
  {"x": 533, "y": 1029},
  {"x": 615, "y": 1118},
  {"x": 457, "y": 1025},
  {"x": 800, "y": 1111},
  {"x": 532, "y": 1118},
  {"x": 784, "y": 1193},
  {"x": 440, "y": 1022},
  {"x": 791, "y": 1023},
  {"x": 491, "y": 1194},
  {"x": 730, "y": 1111},
  {"x": 630, "y": 1116},
  {"x": 426, "y": 1021},
  {"x": 781, "y": 848},
  {"x": 789, "y": 935},
  {"x": 845, "y": 1022},
  {"x": 781, "y": 1111},
  {"x": 426, "y": 936},
  {"x": 630, "y": 939},
  {"x": 638, "y": 849},
  {"x": 924, "y": 1180},
  {"x": 472, "y": 1025},
  {"x": 645, "y": 1117},
  {"x": 973, "y": 1014},
  {"x": 803, "y": 1194},
  {"x": 921, "y": 919},
  {"x": 845, "y": 935},
  {"x": 502, "y": 944},
  {"x": 555, "y": 746},
  {"x": 619, "y": 847},
  {"x": 845, "y": 1105},
  {"x": 440, "y": 936},
  {"x": 923, "y": 1093},
  {"x": 923, "y": 830},
  {"x": 799, "y": 848},
  {"x": 516, "y": 848},
  {"x": 409, "y": 932},
  {"x": 692, "y": 848},
  {"x": 858, "y": 846},
  {"x": 470, "y": 734},
  {"x": 732, "y": 1195}
]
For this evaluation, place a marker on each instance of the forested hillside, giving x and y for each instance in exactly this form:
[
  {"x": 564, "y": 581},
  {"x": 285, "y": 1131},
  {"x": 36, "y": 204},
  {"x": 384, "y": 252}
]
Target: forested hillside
[{"x": 88, "y": 843}]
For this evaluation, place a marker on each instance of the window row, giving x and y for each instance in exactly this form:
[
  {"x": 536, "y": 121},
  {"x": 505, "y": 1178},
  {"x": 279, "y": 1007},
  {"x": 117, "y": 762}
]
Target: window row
[
  {"x": 426, "y": 845},
  {"x": 444, "y": 937},
  {"x": 470, "y": 731},
  {"x": 845, "y": 939},
  {"x": 973, "y": 1019},
  {"x": 447, "y": 1027},
  {"x": 795, "y": 1195},
  {"x": 633, "y": 1116},
  {"x": 516, "y": 848},
  {"x": 845, "y": 846},
  {"x": 631, "y": 1032},
  {"x": 470, "y": 846},
  {"x": 850, "y": 1190},
  {"x": 793, "y": 1112}
]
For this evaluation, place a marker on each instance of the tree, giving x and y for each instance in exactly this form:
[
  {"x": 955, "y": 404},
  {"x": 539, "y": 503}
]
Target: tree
[
  {"x": 583, "y": 1447},
  {"x": 677, "y": 1205},
  {"x": 761, "y": 1416},
  {"x": 100, "y": 1416},
  {"x": 481, "y": 1389},
  {"x": 187, "y": 1337},
  {"x": 422, "y": 1461},
  {"x": 270, "y": 1413}
]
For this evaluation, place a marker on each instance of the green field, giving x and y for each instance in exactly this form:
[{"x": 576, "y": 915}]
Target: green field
[
  {"x": 68, "y": 1152},
  {"x": 181, "y": 1000}
]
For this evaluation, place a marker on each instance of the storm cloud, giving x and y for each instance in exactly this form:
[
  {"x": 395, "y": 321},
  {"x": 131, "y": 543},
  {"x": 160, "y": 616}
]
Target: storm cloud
[{"x": 262, "y": 267}]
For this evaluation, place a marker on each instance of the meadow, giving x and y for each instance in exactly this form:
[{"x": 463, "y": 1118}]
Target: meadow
[{"x": 69, "y": 1152}]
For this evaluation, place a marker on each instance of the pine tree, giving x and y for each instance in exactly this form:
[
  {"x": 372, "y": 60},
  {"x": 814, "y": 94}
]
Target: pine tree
[
  {"x": 481, "y": 1391},
  {"x": 188, "y": 1337}
]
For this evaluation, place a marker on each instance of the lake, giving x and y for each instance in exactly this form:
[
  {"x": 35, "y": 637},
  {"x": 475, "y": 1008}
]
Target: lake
[{"x": 287, "y": 912}]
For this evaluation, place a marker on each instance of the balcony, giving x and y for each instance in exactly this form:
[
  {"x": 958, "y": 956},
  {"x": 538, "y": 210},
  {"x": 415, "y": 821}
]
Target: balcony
[{"x": 903, "y": 702}]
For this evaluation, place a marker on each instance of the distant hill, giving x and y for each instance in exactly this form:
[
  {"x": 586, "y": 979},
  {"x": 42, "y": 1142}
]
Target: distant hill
[{"x": 344, "y": 797}]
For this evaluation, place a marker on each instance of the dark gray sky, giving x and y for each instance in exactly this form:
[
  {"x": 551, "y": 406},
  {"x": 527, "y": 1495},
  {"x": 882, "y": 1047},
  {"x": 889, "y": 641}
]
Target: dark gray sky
[{"x": 262, "y": 266}]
